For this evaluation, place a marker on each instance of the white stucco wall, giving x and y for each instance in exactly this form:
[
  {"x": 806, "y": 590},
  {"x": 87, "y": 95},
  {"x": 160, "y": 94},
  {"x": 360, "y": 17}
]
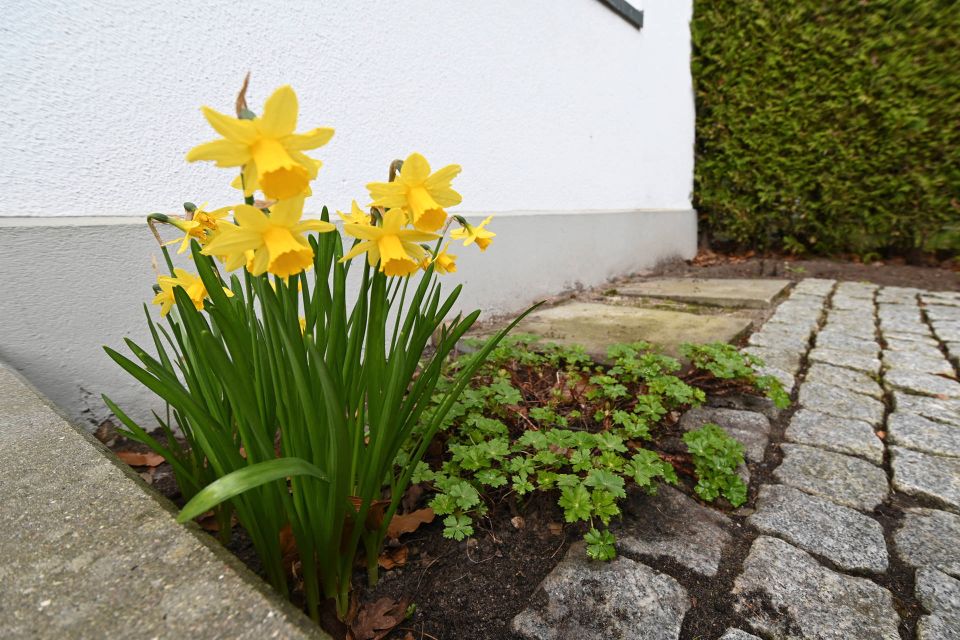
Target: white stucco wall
[
  {"x": 547, "y": 105},
  {"x": 572, "y": 126}
]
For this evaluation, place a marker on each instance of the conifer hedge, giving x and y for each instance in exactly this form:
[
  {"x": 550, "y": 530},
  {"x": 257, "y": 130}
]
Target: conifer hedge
[{"x": 828, "y": 126}]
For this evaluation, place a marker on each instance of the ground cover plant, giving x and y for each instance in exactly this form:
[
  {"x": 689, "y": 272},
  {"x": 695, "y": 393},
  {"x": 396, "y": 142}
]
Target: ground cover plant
[
  {"x": 547, "y": 418},
  {"x": 292, "y": 394},
  {"x": 828, "y": 127}
]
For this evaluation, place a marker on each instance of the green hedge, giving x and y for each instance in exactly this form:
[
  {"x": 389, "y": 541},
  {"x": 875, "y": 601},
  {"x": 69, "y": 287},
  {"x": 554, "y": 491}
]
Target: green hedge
[{"x": 828, "y": 125}]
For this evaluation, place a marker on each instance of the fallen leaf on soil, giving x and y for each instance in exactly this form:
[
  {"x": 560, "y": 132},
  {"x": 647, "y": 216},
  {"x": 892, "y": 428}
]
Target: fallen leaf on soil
[
  {"x": 409, "y": 522},
  {"x": 134, "y": 459},
  {"x": 391, "y": 558},
  {"x": 412, "y": 497},
  {"x": 147, "y": 476},
  {"x": 208, "y": 521},
  {"x": 377, "y": 619},
  {"x": 882, "y": 435},
  {"x": 517, "y": 522},
  {"x": 555, "y": 528}
]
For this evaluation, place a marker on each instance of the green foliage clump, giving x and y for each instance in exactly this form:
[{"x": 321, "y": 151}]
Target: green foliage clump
[
  {"x": 716, "y": 457},
  {"x": 724, "y": 362},
  {"x": 550, "y": 419},
  {"x": 828, "y": 126}
]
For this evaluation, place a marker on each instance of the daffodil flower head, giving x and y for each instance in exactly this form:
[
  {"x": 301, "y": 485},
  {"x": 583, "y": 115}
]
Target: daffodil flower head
[
  {"x": 471, "y": 234},
  {"x": 421, "y": 194},
  {"x": 201, "y": 226},
  {"x": 445, "y": 262},
  {"x": 356, "y": 215},
  {"x": 267, "y": 148},
  {"x": 190, "y": 283},
  {"x": 276, "y": 241},
  {"x": 391, "y": 246}
]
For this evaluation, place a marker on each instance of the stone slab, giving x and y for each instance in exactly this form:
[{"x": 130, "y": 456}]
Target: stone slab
[
  {"x": 85, "y": 546},
  {"x": 845, "y": 480},
  {"x": 841, "y": 403},
  {"x": 785, "y": 593},
  {"x": 582, "y": 598},
  {"x": 866, "y": 363},
  {"x": 939, "y": 594},
  {"x": 941, "y": 410},
  {"x": 750, "y": 428},
  {"x": 814, "y": 287},
  {"x": 735, "y": 293},
  {"x": 920, "y": 434},
  {"x": 928, "y": 476},
  {"x": 844, "y": 378},
  {"x": 856, "y": 289},
  {"x": 737, "y": 634},
  {"x": 842, "y": 340},
  {"x": 848, "y": 303},
  {"x": 925, "y": 384},
  {"x": 840, "y": 435},
  {"x": 846, "y": 537},
  {"x": 672, "y": 525},
  {"x": 786, "y": 360},
  {"x": 597, "y": 326},
  {"x": 919, "y": 362},
  {"x": 929, "y": 537}
]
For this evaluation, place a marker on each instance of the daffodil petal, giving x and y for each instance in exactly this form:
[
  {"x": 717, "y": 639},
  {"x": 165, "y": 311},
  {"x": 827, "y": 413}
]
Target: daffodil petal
[
  {"x": 250, "y": 217},
  {"x": 233, "y": 129},
  {"x": 309, "y": 140},
  {"x": 287, "y": 212},
  {"x": 415, "y": 169},
  {"x": 279, "y": 116},
  {"x": 226, "y": 153}
]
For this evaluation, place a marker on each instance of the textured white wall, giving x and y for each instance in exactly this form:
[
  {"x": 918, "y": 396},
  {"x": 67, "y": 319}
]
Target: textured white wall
[
  {"x": 547, "y": 105},
  {"x": 574, "y": 124}
]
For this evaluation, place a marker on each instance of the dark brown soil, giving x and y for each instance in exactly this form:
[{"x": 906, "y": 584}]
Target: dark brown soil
[{"x": 891, "y": 273}]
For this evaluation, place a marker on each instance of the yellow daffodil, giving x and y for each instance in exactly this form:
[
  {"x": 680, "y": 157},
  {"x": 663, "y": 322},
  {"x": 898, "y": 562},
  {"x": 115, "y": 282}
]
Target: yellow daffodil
[
  {"x": 422, "y": 195},
  {"x": 478, "y": 234},
  {"x": 277, "y": 240},
  {"x": 192, "y": 284},
  {"x": 394, "y": 247},
  {"x": 201, "y": 227},
  {"x": 356, "y": 215},
  {"x": 444, "y": 263},
  {"x": 270, "y": 153}
]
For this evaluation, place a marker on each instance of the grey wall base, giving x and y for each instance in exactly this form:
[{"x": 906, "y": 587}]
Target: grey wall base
[
  {"x": 72, "y": 285},
  {"x": 86, "y": 552}
]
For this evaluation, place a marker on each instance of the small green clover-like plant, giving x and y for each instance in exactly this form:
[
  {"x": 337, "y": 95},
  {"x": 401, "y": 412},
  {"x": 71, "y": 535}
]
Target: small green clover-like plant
[
  {"x": 716, "y": 457},
  {"x": 725, "y": 362},
  {"x": 600, "y": 545},
  {"x": 550, "y": 419}
]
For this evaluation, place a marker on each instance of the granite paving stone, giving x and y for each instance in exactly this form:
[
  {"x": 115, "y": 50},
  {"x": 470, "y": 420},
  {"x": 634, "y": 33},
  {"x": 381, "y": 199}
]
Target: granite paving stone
[
  {"x": 844, "y": 378},
  {"x": 901, "y": 325},
  {"x": 922, "y": 383},
  {"x": 856, "y": 290},
  {"x": 845, "y": 480},
  {"x": 920, "y": 434},
  {"x": 814, "y": 287},
  {"x": 942, "y": 313},
  {"x": 953, "y": 353},
  {"x": 582, "y": 598},
  {"x": 841, "y": 435},
  {"x": 929, "y": 538},
  {"x": 847, "y": 303},
  {"x": 737, "y": 634},
  {"x": 941, "y": 410},
  {"x": 836, "y": 401},
  {"x": 866, "y": 363},
  {"x": 786, "y": 379},
  {"x": 784, "y": 593},
  {"x": 898, "y": 294},
  {"x": 927, "y": 476},
  {"x": 750, "y": 428},
  {"x": 844, "y": 341},
  {"x": 780, "y": 340},
  {"x": 920, "y": 362},
  {"x": 939, "y": 594},
  {"x": 785, "y": 360},
  {"x": 929, "y": 350},
  {"x": 844, "y": 536},
  {"x": 672, "y": 525},
  {"x": 947, "y": 331}
]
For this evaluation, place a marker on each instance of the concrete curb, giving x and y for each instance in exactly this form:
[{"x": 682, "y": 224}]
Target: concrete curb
[{"x": 88, "y": 551}]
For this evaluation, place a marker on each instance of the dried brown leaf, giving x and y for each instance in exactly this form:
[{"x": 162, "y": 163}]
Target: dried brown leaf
[
  {"x": 391, "y": 558},
  {"x": 375, "y": 620},
  {"x": 136, "y": 459},
  {"x": 409, "y": 522}
]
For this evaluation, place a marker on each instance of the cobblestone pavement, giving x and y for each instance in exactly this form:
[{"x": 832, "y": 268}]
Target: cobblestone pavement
[{"x": 855, "y": 529}]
